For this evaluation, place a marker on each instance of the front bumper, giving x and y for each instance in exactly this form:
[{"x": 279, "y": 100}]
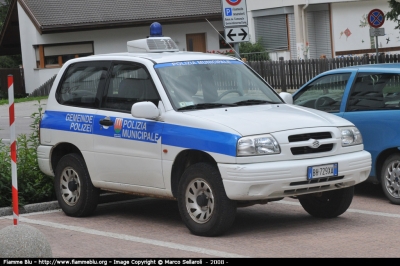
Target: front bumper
[{"x": 271, "y": 180}]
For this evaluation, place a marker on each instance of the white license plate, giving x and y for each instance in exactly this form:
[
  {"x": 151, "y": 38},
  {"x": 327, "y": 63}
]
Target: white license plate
[{"x": 322, "y": 171}]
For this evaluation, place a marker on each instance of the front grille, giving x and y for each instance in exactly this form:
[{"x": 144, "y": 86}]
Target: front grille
[
  {"x": 308, "y": 150},
  {"x": 307, "y": 136}
]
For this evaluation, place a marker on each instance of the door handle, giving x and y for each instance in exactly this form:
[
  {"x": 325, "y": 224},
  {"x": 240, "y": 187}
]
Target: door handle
[{"x": 106, "y": 122}]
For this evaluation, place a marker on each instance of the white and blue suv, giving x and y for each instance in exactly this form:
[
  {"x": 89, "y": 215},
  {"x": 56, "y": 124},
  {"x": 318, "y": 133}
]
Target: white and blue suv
[{"x": 203, "y": 129}]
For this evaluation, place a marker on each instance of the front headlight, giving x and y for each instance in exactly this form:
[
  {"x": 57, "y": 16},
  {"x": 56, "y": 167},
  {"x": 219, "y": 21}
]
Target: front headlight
[
  {"x": 350, "y": 136},
  {"x": 264, "y": 145}
]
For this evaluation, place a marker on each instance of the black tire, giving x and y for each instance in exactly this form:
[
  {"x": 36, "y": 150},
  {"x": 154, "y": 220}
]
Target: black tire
[
  {"x": 328, "y": 204},
  {"x": 203, "y": 205},
  {"x": 75, "y": 192},
  {"x": 390, "y": 178}
]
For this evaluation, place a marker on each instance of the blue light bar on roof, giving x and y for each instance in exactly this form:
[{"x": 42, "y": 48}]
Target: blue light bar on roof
[{"x": 156, "y": 30}]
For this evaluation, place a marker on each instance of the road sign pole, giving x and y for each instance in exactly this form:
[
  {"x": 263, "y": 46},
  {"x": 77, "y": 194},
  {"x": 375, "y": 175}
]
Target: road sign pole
[
  {"x": 234, "y": 16},
  {"x": 376, "y": 46},
  {"x": 376, "y": 18},
  {"x": 236, "y": 46}
]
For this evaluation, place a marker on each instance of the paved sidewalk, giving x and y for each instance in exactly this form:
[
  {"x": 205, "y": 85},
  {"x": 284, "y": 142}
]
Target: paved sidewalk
[{"x": 23, "y": 120}]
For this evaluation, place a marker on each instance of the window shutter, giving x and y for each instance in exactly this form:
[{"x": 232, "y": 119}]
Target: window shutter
[
  {"x": 83, "y": 48},
  {"x": 319, "y": 34},
  {"x": 273, "y": 31}
]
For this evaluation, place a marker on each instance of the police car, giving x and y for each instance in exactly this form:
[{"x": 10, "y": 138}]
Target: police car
[{"x": 203, "y": 129}]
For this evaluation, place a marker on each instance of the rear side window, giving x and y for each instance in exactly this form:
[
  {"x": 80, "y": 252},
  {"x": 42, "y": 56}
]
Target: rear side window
[
  {"x": 82, "y": 84},
  {"x": 375, "y": 91}
]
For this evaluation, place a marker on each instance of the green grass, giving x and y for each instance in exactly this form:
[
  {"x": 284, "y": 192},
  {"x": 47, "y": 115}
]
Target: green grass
[{"x": 21, "y": 100}]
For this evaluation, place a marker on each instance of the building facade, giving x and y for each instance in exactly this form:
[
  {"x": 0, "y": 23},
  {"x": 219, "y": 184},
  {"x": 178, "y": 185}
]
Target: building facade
[{"x": 301, "y": 29}]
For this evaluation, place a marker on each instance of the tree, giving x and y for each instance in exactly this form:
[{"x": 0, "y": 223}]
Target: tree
[
  {"x": 4, "y": 4},
  {"x": 253, "y": 51},
  {"x": 11, "y": 61},
  {"x": 394, "y": 13}
]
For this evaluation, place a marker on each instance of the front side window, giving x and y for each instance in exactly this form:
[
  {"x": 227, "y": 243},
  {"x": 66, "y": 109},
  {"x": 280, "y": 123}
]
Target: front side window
[
  {"x": 81, "y": 83},
  {"x": 129, "y": 84},
  {"x": 323, "y": 94},
  {"x": 213, "y": 83},
  {"x": 375, "y": 91}
]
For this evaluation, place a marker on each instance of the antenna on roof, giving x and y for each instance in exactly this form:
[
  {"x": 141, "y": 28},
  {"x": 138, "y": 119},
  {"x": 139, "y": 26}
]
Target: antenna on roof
[{"x": 233, "y": 49}]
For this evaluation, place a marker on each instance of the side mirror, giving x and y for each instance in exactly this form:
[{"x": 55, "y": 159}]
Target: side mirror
[
  {"x": 286, "y": 97},
  {"x": 147, "y": 110}
]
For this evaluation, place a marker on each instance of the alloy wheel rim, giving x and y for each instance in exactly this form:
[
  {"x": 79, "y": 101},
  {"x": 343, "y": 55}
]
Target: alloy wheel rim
[
  {"x": 70, "y": 186},
  {"x": 392, "y": 179},
  {"x": 199, "y": 201}
]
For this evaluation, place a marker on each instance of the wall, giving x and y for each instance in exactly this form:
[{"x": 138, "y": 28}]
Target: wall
[
  {"x": 105, "y": 41},
  {"x": 350, "y": 16},
  {"x": 263, "y": 4}
]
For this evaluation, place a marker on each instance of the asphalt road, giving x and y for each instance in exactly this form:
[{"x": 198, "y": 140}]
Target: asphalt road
[
  {"x": 152, "y": 228},
  {"x": 23, "y": 120}
]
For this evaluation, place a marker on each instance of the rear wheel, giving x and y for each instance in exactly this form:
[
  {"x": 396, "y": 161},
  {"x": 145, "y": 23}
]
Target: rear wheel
[
  {"x": 75, "y": 192},
  {"x": 390, "y": 178},
  {"x": 204, "y": 207},
  {"x": 328, "y": 204}
]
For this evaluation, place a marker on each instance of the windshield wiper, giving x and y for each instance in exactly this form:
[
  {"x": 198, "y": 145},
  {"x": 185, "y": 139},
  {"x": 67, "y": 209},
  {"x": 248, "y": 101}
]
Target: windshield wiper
[
  {"x": 251, "y": 102},
  {"x": 205, "y": 106}
]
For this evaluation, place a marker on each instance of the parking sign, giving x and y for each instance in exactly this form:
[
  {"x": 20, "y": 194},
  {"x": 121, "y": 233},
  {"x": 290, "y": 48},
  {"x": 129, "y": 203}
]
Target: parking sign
[{"x": 234, "y": 13}]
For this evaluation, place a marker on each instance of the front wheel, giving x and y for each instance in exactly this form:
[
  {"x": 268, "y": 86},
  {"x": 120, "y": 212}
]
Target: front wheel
[
  {"x": 328, "y": 204},
  {"x": 75, "y": 192},
  {"x": 390, "y": 178},
  {"x": 203, "y": 205}
]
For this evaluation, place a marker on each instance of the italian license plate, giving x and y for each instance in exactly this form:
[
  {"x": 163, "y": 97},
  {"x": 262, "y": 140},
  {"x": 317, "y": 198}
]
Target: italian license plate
[{"x": 322, "y": 171}]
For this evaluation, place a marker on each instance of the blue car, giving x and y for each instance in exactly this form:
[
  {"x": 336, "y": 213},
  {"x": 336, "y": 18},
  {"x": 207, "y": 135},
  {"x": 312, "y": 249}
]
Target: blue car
[{"x": 369, "y": 97}]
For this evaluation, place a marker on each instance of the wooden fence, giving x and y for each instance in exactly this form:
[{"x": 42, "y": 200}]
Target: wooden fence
[
  {"x": 289, "y": 75},
  {"x": 19, "y": 85},
  {"x": 44, "y": 89}
]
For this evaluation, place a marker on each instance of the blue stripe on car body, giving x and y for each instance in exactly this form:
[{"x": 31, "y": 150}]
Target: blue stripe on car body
[{"x": 142, "y": 130}]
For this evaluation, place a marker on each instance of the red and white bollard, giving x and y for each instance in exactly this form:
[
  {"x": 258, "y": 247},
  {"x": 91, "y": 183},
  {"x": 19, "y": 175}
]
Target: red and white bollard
[{"x": 13, "y": 148}]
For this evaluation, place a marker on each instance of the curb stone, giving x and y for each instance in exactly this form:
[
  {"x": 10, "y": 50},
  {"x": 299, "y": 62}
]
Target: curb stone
[
  {"x": 53, "y": 205},
  {"x": 36, "y": 207}
]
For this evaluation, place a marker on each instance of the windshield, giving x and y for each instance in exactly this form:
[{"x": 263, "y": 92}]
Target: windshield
[{"x": 195, "y": 85}]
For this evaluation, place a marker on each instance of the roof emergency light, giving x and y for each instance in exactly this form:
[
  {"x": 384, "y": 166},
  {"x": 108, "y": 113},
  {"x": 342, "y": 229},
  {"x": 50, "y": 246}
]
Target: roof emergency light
[
  {"x": 156, "y": 30},
  {"x": 156, "y": 43}
]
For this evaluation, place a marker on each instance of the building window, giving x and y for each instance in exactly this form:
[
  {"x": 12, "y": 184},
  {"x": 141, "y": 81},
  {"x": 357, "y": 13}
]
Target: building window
[
  {"x": 222, "y": 43},
  {"x": 55, "y": 55}
]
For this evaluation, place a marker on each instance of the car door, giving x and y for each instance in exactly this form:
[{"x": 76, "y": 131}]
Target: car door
[
  {"x": 374, "y": 107},
  {"x": 127, "y": 150},
  {"x": 326, "y": 92}
]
